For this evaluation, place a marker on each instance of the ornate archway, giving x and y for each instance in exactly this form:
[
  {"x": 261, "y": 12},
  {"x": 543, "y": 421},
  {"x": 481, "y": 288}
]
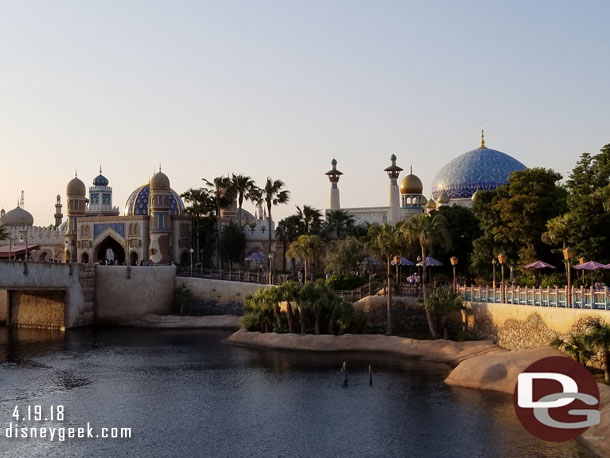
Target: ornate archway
[
  {"x": 133, "y": 258},
  {"x": 109, "y": 250},
  {"x": 84, "y": 258}
]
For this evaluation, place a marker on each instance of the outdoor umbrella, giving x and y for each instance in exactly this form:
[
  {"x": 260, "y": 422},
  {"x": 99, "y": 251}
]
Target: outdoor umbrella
[
  {"x": 403, "y": 262},
  {"x": 431, "y": 262},
  {"x": 590, "y": 265},
  {"x": 539, "y": 265},
  {"x": 256, "y": 256}
]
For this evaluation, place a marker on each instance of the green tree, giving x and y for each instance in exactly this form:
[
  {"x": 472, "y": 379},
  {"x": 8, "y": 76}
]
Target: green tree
[
  {"x": 599, "y": 338},
  {"x": 232, "y": 243},
  {"x": 273, "y": 193},
  {"x": 243, "y": 187},
  {"x": 587, "y": 206},
  {"x": 259, "y": 311},
  {"x": 201, "y": 208},
  {"x": 463, "y": 229},
  {"x": 442, "y": 302},
  {"x": 385, "y": 242},
  {"x": 311, "y": 219},
  {"x": 307, "y": 248},
  {"x": 344, "y": 255},
  {"x": 338, "y": 223},
  {"x": 288, "y": 229},
  {"x": 223, "y": 194},
  {"x": 428, "y": 231},
  {"x": 289, "y": 292},
  {"x": 576, "y": 346}
]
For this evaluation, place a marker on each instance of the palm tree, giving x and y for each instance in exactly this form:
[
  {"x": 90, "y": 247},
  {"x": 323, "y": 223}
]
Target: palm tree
[
  {"x": 576, "y": 346},
  {"x": 290, "y": 292},
  {"x": 558, "y": 231},
  {"x": 243, "y": 186},
  {"x": 339, "y": 221},
  {"x": 306, "y": 247},
  {"x": 442, "y": 302},
  {"x": 223, "y": 194},
  {"x": 310, "y": 217},
  {"x": 427, "y": 231},
  {"x": 273, "y": 194},
  {"x": 599, "y": 338},
  {"x": 200, "y": 203},
  {"x": 385, "y": 242},
  {"x": 287, "y": 229}
]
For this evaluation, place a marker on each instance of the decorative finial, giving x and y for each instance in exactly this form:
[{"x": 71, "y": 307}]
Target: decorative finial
[
  {"x": 482, "y": 137},
  {"x": 411, "y": 170},
  {"x": 75, "y": 173},
  {"x": 100, "y": 169},
  {"x": 159, "y": 166}
]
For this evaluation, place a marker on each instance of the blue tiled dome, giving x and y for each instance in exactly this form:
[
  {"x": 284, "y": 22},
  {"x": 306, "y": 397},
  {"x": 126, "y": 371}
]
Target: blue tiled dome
[
  {"x": 100, "y": 180},
  {"x": 137, "y": 203},
  {"x": 481, "y": 168}
]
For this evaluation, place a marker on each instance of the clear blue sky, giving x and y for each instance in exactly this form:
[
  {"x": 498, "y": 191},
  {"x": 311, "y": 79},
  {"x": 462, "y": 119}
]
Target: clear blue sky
[{"x": 278, "y": 88}]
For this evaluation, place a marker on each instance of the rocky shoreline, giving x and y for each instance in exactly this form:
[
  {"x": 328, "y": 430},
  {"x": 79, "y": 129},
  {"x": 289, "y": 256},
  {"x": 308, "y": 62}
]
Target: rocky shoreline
[
  {"x": 476, "y": 364},
  {"x": 181, "y": 322}
]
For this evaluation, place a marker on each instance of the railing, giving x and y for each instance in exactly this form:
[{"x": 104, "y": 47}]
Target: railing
[
  {"x": 372, "y": 289},
  {"x": 245, "y": 276},
  {"x": 584, "y": 298}
]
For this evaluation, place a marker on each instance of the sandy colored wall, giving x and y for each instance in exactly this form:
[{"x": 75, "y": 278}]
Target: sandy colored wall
[
  {"x": 3, "y": 306},
  {"x": 218, "y": 290},
  {"x": 521, "y": 326},
  {"x": 38, "y": 309},
  {"x": 119, "y": 299}
]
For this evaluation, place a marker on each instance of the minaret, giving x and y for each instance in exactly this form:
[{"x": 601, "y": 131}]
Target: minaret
[
  {"x": 394, "y": 194},
  {"x": 482, "y": 138},
  {"x": 333, "y": 176},
  {"x": 58, "y": 214},
  {"x": 160, "y": 219},
  {"x": 76, "y": 209}
]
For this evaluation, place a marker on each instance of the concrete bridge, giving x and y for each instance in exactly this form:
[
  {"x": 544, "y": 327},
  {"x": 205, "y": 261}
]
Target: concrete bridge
[
  {"x": 64, "y": 296},
  {"x": 46, "y": 295}
]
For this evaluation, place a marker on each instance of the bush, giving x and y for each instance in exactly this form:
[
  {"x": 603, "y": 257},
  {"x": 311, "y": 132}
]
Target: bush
[
  {"x": 556, "y": 278},
  {"x": 345, "y": 282},
  {"x": 182, "y": 296}
]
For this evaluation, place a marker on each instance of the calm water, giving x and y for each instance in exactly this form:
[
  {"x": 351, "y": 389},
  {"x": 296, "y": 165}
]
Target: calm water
[{"x": 185, "y": 393}]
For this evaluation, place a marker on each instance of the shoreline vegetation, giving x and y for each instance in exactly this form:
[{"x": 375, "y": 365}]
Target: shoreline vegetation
[{"x": 475, "y": 364}]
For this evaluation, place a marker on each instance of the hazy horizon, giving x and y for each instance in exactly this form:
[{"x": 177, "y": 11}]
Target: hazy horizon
[{"x": 279, "y": 89}]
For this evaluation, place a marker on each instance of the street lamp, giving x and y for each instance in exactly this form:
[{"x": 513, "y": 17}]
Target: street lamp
[
  {"x": 271, "y": 267},
  {"x": 191, "y": 251},
  {"x": 454, "y": 262},
  {"x": 568, "y": 254},
  {"x": 582, "y": 261},
  {"x": 502, "y": 260},
  {"x": 397, "y": 264},
  {"x": 493, "y": 265}
]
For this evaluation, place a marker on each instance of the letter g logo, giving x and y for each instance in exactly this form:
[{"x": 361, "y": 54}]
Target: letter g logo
[{"x": 556, "y": 399}]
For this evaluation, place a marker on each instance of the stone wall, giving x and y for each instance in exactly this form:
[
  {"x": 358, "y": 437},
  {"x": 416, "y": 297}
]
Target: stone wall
[
  {"x": 122, "y": 295},
  {"x": 38, "y": 309},
  {"x": 219, "y": 297},
  {"x": 408, "y": 318},
  {"x": 3, "y": 307},
  {"x": 517, "y": 327}
]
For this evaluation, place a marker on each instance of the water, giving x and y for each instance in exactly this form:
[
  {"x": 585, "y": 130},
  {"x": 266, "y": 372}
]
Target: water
[{"x": 186, "y": 393}]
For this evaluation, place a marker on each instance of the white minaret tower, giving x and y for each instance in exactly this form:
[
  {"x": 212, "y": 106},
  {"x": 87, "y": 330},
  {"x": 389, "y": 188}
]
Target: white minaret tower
[
  {"x": 333, "y": 177},
  {"x": 394, "y": 195}
]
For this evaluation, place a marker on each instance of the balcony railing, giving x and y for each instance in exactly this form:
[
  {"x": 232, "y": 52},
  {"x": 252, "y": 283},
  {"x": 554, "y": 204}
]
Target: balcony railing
[{"x": 584, "y": 298}]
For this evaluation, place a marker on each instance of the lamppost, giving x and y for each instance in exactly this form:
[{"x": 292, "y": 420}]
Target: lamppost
[
  {"x": 201, "y": 261},
  {"x": 191, "y": 251},
  {"x": 454, "y": 262},
  {"x": 397, "y": 264},
  {"x": 502, "y": 260},
  {"x": 493, "y": 265},
  {"x": 271, "y": 267},
  {"x": 568, "y": 254},
  {"x": 420, "y": 276},
  {"x": 582, "y": 261}
]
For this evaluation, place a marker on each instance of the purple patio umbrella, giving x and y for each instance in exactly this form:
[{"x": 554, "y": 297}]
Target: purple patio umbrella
[
  {"x": 431, "y": 262},
  {"x": 591, "y": 266},
  {"x": 539, "y": 265},
  {"x": 403, "y": 262}
]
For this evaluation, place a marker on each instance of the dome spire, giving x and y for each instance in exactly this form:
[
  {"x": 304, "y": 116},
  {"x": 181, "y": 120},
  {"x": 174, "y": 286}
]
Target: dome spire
[
  {"x": 482, "y": 137},
  {"x": 100, "y": 169}
]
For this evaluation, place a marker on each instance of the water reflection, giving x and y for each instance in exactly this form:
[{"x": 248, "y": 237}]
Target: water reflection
[{"x": 186, "y": 393}]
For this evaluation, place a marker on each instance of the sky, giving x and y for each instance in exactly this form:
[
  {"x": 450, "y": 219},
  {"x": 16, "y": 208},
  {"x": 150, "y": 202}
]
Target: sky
[{"x": 279, "y": 88}]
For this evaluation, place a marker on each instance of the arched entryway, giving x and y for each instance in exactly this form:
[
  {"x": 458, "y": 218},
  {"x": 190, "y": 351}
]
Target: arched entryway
[
  {"x": 110, "y": 251},
  {"x": 84, "y": 258},
  {"x": 133, "y": 258}
]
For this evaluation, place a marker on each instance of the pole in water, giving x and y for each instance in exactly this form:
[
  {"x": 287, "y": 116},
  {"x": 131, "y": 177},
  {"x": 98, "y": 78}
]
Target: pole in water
[
  {"x": 370, "y": 375},
  {"x": 344, "y": 370}
]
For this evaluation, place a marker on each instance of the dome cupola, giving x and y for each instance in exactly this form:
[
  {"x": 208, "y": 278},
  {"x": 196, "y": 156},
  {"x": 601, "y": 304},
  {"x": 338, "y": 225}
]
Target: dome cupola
[
  {"x": 18, "y": 217},
  {"x": 100, "y": 180},
  {"x": 411, "y": 184},
  {"x": 159, "y": 182},
  {"x": 76, "y": 187}
]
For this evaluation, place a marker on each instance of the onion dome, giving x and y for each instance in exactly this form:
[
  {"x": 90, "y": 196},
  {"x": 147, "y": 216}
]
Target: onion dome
[
  {"x": 411, "y": 184},
  {"x": 76, "y": 187},
  {"x": 18, "y": 217},
  {"x": 431, "y": 204},
  {"x": 474, "y": 195},
  {"x": 443, "y": 198},
  {"x": 137, "y": 203},
  {"x": 159, "y": 182},
  {"x": 481, "y": 168},
  {"x": 393, "y": 170},
  {"x": 100, "y": 180}
]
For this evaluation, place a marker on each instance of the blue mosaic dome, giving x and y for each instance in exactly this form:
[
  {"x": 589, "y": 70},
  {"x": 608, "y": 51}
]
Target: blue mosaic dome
[
  {"x": 100, "y": 180},
  {"x": 137, "y": 203},
  {"x": 481, "y": 168}
]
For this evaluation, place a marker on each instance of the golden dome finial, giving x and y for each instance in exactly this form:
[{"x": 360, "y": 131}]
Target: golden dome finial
[
  {"x": 411, "y": 170},
  {"x": 100, "y": 169},
  {"x": 482, "y": 137}
]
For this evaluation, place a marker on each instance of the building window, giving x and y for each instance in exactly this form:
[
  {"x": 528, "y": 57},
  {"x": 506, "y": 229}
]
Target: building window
[
  {"x": 161, "y": 222},
  {"x": 106, "y": 199},
  {"x": 95, "y": 199}
]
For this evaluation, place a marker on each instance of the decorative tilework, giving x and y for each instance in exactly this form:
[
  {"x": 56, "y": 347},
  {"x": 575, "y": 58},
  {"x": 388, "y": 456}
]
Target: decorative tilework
[
  {"x": 137, "y": 203},
  {"x": 482, "y": 168},
  {"x": 117, "y": 227}
]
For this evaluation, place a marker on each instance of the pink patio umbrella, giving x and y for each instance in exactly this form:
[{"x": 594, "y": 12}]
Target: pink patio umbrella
[
  {"x": 591, "y": 265},
  {"x": 539, "y": 265}
]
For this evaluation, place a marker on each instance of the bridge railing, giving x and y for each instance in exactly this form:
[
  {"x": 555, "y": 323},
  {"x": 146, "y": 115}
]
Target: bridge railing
[
  {"x": 245, "y": 276},
  {"x": 584, "y": 298}
]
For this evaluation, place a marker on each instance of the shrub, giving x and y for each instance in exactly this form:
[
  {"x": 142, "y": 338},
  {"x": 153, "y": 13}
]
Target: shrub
[
  {"x": 345, "y": 282},
  {"x": 182, "y": 296}
]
